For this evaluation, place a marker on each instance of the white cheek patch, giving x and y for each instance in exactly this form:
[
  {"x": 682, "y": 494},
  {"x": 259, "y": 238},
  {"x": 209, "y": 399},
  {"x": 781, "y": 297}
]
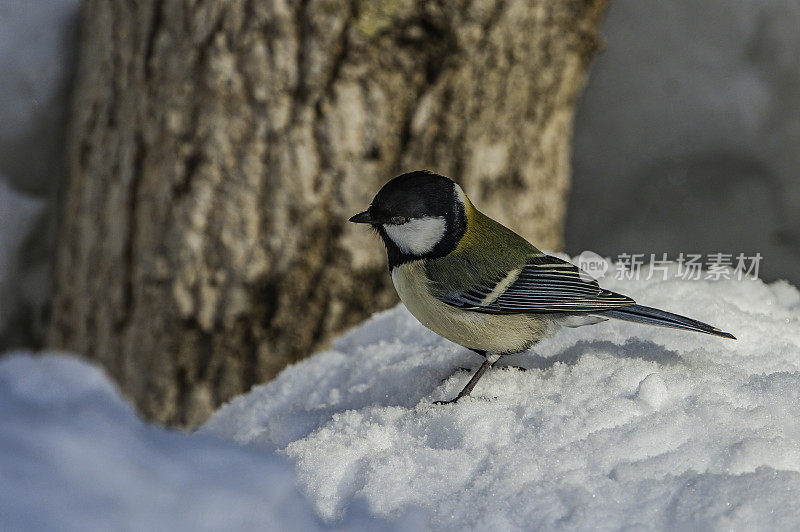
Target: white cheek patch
[
  {"x": 462, "y": 198},
  {"x": 417, "y": 236}
]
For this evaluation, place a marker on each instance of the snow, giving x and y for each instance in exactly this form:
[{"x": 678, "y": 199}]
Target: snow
[
  {"x": 19, "y": 213},
  {"x": 612, "y": 426},
  {"x": 38, "y": 42},
  {"x": 73, "y": 456},
  {"x": 686, "y": 134},
  {"x": 652, "y": 391}
]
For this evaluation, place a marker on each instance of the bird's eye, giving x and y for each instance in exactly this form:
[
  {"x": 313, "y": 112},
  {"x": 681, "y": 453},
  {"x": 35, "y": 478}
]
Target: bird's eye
[{"x": 398, "y": 220}]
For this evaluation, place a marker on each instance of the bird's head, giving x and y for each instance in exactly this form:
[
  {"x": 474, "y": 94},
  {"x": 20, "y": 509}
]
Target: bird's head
[{"x": 419, "y": 215}]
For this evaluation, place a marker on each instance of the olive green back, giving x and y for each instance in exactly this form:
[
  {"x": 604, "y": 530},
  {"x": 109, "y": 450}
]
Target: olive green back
[{"x": 487, "y": 252}]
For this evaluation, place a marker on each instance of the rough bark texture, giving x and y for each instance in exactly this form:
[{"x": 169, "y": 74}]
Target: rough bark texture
[{"x": 218, "y": 147}]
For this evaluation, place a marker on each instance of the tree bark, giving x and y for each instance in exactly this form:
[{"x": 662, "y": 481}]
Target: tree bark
[{"x": 218, "y": 147}]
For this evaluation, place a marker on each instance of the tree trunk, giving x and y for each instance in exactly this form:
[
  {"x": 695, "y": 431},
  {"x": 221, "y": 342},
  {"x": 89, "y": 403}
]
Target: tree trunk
[{"x": 218, "y": 147}]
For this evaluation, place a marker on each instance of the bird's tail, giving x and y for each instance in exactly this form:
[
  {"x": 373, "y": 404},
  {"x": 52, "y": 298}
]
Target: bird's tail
[{"x": 654, "y": 316}]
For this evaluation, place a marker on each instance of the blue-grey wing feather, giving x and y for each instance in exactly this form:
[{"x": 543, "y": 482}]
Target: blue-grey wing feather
[{"x": 544, "y": 285}]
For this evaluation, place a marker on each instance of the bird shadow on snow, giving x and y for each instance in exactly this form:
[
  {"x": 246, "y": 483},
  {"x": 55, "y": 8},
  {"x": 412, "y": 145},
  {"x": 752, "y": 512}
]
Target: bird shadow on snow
[
  {"x": 570, "y": 356},
  {"x": 632, "y": 348},
  {"x": 281, "y": 414}
]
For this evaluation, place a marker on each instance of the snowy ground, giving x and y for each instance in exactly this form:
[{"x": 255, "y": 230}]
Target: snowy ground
[
  {"x": 686, "y": 134},
  {"x": 73, "y": 456},
  {"x": 613, "y": 426}
]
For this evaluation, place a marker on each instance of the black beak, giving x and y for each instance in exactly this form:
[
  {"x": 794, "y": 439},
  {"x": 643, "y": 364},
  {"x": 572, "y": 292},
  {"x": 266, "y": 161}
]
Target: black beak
[{"x": 362, "y": 218}]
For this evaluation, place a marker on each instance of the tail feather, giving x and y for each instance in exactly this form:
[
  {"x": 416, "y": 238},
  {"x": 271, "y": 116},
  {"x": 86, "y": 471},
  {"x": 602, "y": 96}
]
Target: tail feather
[{"x": 661, "y": 318}]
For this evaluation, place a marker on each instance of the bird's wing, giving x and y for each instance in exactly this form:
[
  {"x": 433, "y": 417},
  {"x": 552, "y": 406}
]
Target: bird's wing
[{"x": 543, "y": 284}]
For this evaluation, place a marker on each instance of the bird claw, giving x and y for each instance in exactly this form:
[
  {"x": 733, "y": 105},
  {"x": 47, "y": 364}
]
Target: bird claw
[{"x": 518, "y": 368}]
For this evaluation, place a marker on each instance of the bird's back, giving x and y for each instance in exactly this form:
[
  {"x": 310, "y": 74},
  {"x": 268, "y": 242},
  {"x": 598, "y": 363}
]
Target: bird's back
[{"x": 487, "y": 250}]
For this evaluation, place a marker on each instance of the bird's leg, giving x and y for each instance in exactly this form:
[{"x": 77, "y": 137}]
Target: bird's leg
[
  {"x": 490, "y": 360},
  {"x": 478, "y": 351}
]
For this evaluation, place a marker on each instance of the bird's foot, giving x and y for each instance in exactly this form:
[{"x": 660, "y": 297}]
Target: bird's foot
[
  {"x": 454, "y": 401},
  {"x": 451, "y": 401},
  {"x": 518, "y": 368}
]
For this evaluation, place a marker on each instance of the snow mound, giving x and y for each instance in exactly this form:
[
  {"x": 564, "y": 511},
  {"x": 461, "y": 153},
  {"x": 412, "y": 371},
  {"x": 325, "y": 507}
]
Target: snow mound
[
  {"x": 73, "y": 456},
  {"x": 616, "y": 425}
]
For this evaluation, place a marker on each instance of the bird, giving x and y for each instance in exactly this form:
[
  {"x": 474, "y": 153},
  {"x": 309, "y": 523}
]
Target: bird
[{"x": 479, "y": 284}]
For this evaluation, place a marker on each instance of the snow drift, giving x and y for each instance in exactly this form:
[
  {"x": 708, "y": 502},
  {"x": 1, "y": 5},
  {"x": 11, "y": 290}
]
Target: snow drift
[
  {"x": 615, "y": 425},
  {"x": 73, "y": 456}
]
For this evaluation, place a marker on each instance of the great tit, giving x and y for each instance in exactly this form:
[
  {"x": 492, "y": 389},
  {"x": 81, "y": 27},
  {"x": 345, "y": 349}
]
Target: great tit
[{"x": 479, "y": 284}]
